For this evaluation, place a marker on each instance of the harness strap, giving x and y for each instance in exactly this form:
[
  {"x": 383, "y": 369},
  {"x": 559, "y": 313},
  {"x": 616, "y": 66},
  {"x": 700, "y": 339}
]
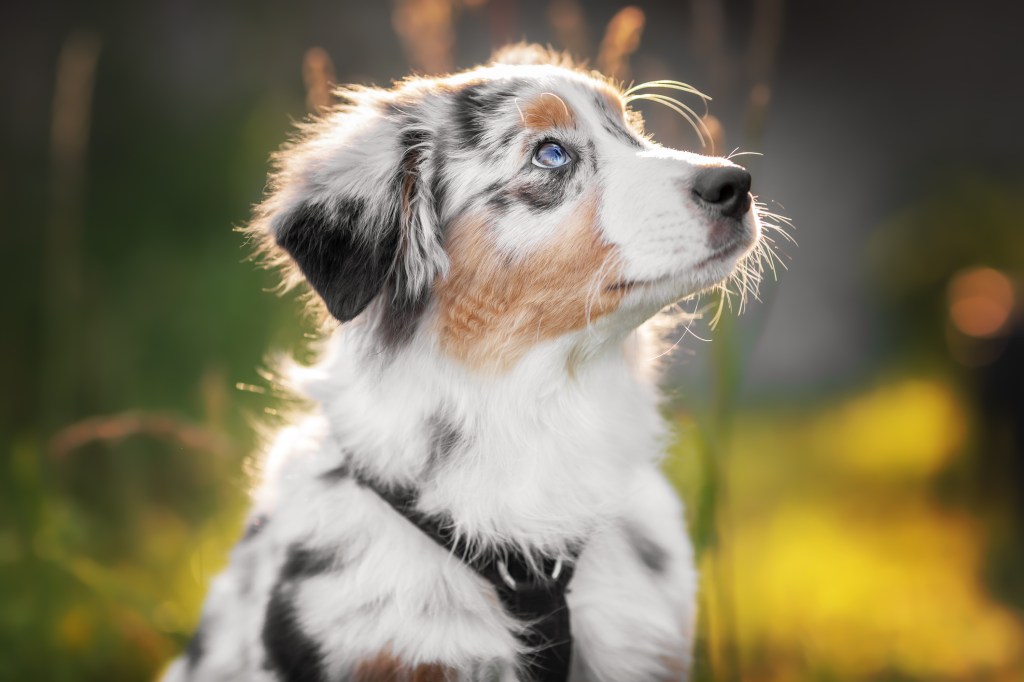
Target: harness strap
[{"x": 537, "y": 600}]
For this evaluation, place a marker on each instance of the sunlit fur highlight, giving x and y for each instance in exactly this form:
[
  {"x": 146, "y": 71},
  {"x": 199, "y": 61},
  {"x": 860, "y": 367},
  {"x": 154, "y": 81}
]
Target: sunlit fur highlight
[{"x": 637, "y": 93}]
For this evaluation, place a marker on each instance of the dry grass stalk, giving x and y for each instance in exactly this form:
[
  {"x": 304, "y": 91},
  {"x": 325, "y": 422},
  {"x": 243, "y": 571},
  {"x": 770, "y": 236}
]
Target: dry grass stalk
[
  {"x": 63, "y": 268},
  {"x": 426, "y": 31},
  {"x": 117, "y": 427},
  {"x": 318, "y": 76},
  {"x": 621, "y": 39},
  {"x": 567, "y": 19}
]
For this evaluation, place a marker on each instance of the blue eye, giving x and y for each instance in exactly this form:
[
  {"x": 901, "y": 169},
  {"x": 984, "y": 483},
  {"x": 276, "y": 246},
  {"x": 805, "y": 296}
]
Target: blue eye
[{"x": 551, "y": 155}]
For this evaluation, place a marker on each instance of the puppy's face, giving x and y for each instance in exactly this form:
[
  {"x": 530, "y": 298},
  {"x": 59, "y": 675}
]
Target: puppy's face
[{"x": 502, "y": 208}]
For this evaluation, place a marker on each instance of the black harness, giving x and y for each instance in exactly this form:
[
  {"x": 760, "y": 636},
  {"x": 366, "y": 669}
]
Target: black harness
[{"x": 538, "y": 600}]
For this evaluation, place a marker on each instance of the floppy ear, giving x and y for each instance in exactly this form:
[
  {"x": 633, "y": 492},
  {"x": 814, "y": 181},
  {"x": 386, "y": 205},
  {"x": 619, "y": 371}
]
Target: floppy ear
[
  {"x": 349, "y": 205},
  {"x": 338, "y": 255}
]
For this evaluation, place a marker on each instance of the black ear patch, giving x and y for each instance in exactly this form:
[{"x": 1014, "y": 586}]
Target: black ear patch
[{"x": 331, "y": 246}]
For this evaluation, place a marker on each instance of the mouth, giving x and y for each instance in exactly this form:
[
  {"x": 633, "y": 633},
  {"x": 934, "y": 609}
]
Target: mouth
[
  {"x": 723, "y": 252},
  {"x": 630, "y": 284}
]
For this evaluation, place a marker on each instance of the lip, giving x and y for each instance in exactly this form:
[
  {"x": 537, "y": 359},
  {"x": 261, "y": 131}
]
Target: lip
[
  {"x": 728, "y": 250},
  {"x": 629, "y": 284}
]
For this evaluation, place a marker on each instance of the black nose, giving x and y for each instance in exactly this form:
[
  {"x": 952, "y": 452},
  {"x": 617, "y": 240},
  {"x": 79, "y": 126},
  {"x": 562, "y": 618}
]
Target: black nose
[{"x": 725, "y": 189}]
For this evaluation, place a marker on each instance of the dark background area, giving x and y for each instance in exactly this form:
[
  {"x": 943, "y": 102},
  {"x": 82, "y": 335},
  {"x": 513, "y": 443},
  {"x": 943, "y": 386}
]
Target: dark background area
[{"x": 850, "y": 447}]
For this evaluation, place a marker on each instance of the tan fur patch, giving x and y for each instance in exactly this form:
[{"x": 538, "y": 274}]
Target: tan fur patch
[
  {"x": 386, "y": 668},
  {"x": 492, "y": 307},
  {"x": 547, "y": 110}
]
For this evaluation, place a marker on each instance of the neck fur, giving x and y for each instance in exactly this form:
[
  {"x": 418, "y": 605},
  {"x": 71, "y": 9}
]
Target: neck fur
[{"x": 535, "y": 457}]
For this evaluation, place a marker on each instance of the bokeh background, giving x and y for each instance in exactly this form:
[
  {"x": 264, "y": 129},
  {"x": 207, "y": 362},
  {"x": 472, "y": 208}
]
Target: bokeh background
[{"x": 851, "y": 447}]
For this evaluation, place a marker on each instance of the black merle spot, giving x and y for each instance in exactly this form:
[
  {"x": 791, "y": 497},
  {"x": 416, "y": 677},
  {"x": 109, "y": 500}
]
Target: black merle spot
[
  {"x": 290, "y": 652},
  {"x": 294, "y": 655},
  {"x": 545, "y": 189},
  {"x": 613, "y": 124},
  {"x": 196, "y": 646},
  {"x": 400, "y": 317},
  {"x": 650, "y": 553},
  {"x": 591, "y": 156},
  {"x": 330, "y": 247},
  {"x": 303, "y": 563},
  {"x": 619, "y": 132},
  {"x": 499, "y": 202},
  {"x": 509, "y": 136},
  {"x": 254, "y": 527},
  {"x": 444, "y": 439},
  {"x": 545, "y": 193},
  {"x": 469, "y": 121},
  {"x": 338, "y": 473},
  {"x": 478, "y": 103},
  {"x": 438, "y": 181},
  {"x": 497, "y": 197},
  {"x": 400, "y": 310},
  {"x": 412, "y": 138}
]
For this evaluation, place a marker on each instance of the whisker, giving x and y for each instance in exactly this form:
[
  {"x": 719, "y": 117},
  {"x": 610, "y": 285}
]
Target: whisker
[
  {"x": 735, "y": 152},
  {"x": 764, "y": 253},
  {"x": 723, "y": 297},
  {"x": 777, "y": 259},
  {"x": 766, "y": 222},
  {"x": 686, "y": 112},
  {"x": 693, "y": 317},
  {"x": 667, "y": 85},
  {"x": 672, "y": 85},
  {"x": 657, "y": 96}
]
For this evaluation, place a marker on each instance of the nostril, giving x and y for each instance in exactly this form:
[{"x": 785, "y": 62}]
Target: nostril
[{"x": 725, "y": 189}]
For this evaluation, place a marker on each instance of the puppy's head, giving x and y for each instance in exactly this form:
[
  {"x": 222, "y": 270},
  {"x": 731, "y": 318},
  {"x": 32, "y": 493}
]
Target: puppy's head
[{"x": 501, "y": 208}]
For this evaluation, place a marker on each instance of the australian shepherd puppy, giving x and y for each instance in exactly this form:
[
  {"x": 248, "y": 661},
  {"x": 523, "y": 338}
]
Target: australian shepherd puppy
[{"x": 476, "y": 493}]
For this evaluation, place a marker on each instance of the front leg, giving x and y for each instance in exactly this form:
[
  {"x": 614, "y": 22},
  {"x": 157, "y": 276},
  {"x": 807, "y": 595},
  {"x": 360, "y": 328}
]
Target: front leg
[{"x": 634, "y": 594}]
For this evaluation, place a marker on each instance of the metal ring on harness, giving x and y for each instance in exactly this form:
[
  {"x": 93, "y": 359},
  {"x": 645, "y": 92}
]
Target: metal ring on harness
[{"x": 507, "y": 578}]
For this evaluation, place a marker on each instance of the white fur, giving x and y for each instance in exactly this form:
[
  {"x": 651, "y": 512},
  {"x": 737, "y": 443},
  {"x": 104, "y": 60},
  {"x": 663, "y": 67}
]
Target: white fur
[
  {"x": 548, "y": 457},
  {"x": 554, "y": 459}
]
